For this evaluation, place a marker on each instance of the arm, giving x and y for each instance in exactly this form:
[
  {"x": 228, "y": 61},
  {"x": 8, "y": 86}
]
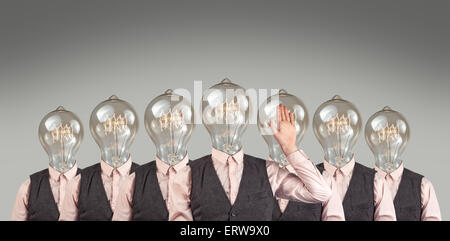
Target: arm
[
  {"x": 430, "y": 204},
  {"x": 69, "y": 211},
  {"x": 384, "y": 203},
  {"x": 309, "y": 185},
  {"x": 124, "y": 210},
  {"x": 179, "y": 206},
  {"x": 20, "y": 209},
  {"x": 332, "y": 210}
]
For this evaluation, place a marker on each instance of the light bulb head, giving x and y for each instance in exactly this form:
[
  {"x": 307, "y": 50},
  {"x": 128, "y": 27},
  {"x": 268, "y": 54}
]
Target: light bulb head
[
  {"x": 114, "y": 124},
  {"x": 387, "y": 134},
  {"x": 60, "y": 134},
  {"x": 225, "y": 114},
  {"x": 336, "y": 125},
  {"x": 169, "y": 121},
  {"x": 268, "y": 113}
]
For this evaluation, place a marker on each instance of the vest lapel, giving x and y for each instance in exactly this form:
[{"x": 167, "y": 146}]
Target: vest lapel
[
  {"x": 243, "y": 183},
  {"x": 216, "y": 181},
  {"x": 101, "y": 188},
  {"x": 351, "y": 186},
  {"x": 45, "y": 184},
  {"x": 157, "y": 189}
]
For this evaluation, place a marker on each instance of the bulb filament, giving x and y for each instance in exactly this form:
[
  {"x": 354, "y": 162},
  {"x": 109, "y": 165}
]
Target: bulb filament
[
  {"x": 171, "y": 121},
  {"x": 62, "y": 134},
  {"x": 339, "y": 125},
  {"x": 228, "y": 110},
  {"x": 114, "y": 125},
  {"x": 388, "y": 134}
]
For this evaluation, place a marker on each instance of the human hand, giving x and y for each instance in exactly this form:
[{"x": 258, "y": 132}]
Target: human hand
[{"x": 285, "y": 134}]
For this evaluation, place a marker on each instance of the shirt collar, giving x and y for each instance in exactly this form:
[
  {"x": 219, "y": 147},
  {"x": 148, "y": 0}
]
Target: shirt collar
[
  {"x": 396, "y": 175},
  {"x": 123, "y": 170},
  {"x": 223, "y": 157},
  {"x": 164, "y": 167},
  {"x": 54, "y": 174},
  {"x": 347, "y": 169}
]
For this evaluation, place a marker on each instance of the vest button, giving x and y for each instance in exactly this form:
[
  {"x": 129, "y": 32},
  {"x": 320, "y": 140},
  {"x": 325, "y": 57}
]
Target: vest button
[{"x": 233, "y": 214}]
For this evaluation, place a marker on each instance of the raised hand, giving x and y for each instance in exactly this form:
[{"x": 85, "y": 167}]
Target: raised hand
[{"x": 285, "y": 134}]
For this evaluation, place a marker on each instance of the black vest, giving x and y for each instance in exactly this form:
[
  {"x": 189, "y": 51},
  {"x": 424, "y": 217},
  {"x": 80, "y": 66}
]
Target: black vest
[
  {"x": 148, "y": 202},
  {"x": 298, "y": 211},
  {"x": 93, "y": 204},
  {"x": 358, "y": 202},
  {"x": 407, "y": 201},
  {"x": 209, "y": 202},
  {"x": 41, "y": 202}
]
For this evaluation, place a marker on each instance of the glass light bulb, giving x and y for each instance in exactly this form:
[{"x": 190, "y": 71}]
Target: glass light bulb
[
  {"x": 268, "y": 112},
  {"x": 169, "y": 120},
  {"x": 387, "y": 133},
  {"x": 61, "y": 133},
  {"x": 337, "y": 124},
  {"x": 225, "y": 114},
  {"x": 113, "y": 125}
]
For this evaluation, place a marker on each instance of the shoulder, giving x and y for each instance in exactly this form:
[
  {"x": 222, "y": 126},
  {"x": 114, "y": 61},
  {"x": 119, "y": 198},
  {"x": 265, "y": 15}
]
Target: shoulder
[
  {"x": 90, "y": 169},
  {"x": 411, "y": 174},
  {"x": 426, "y": 186},
  {"x": 86, "y": 175},
  {"x": 144, "y": 168},
  {"x": 147, "y": 165},
  {"x": 134, "y": 166},
  {"x": 200, "y": 161},
  {"x": 261, "y": 165},
  {"x": 24, "y": 188},
  {"x": 364, "y": 170},
  {"x": 254, "y": 159},
  {"x": 39, "y": 174}
]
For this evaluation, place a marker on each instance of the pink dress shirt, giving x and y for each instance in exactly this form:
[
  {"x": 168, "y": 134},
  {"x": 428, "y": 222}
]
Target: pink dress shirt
[
  {"x": 168, "y": 180},
  {"x": 384, "y": 207},
  {"x": 332, "y": 209},
  {"x": 112, "y": 179},
  {"x": 430, "y": 205},
  {"x": 307, "y": 186},
  {"x": 58, "y": 182}
]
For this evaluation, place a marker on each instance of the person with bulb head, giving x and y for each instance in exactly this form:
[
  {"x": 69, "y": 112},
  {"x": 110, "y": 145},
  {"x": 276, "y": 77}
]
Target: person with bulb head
[
  {"x": 414, "y": 198},
  {"x": 41, "y": 197},
  {"x": 284, "y": 209},
  {"x": 147, "y": 194},
  {"x": 92, "y": 195},
  {"x": 363, "y": 193},
  {"x": 228, "y": 185}
]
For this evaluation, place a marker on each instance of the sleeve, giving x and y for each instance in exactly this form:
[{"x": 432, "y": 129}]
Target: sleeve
[
  {"x": 69, "y": 210},
  {"x": 124, "y": 206},
  {"x": 430, "y": 204},
  {"x": 307, "y": 186},
  {"x": 383, "y": 201},
  {"x": 20, "y": 209}
]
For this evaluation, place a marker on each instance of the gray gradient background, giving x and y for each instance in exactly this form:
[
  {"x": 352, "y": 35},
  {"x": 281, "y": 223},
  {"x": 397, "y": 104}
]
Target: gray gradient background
[{"x": 77, "y": 53}]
